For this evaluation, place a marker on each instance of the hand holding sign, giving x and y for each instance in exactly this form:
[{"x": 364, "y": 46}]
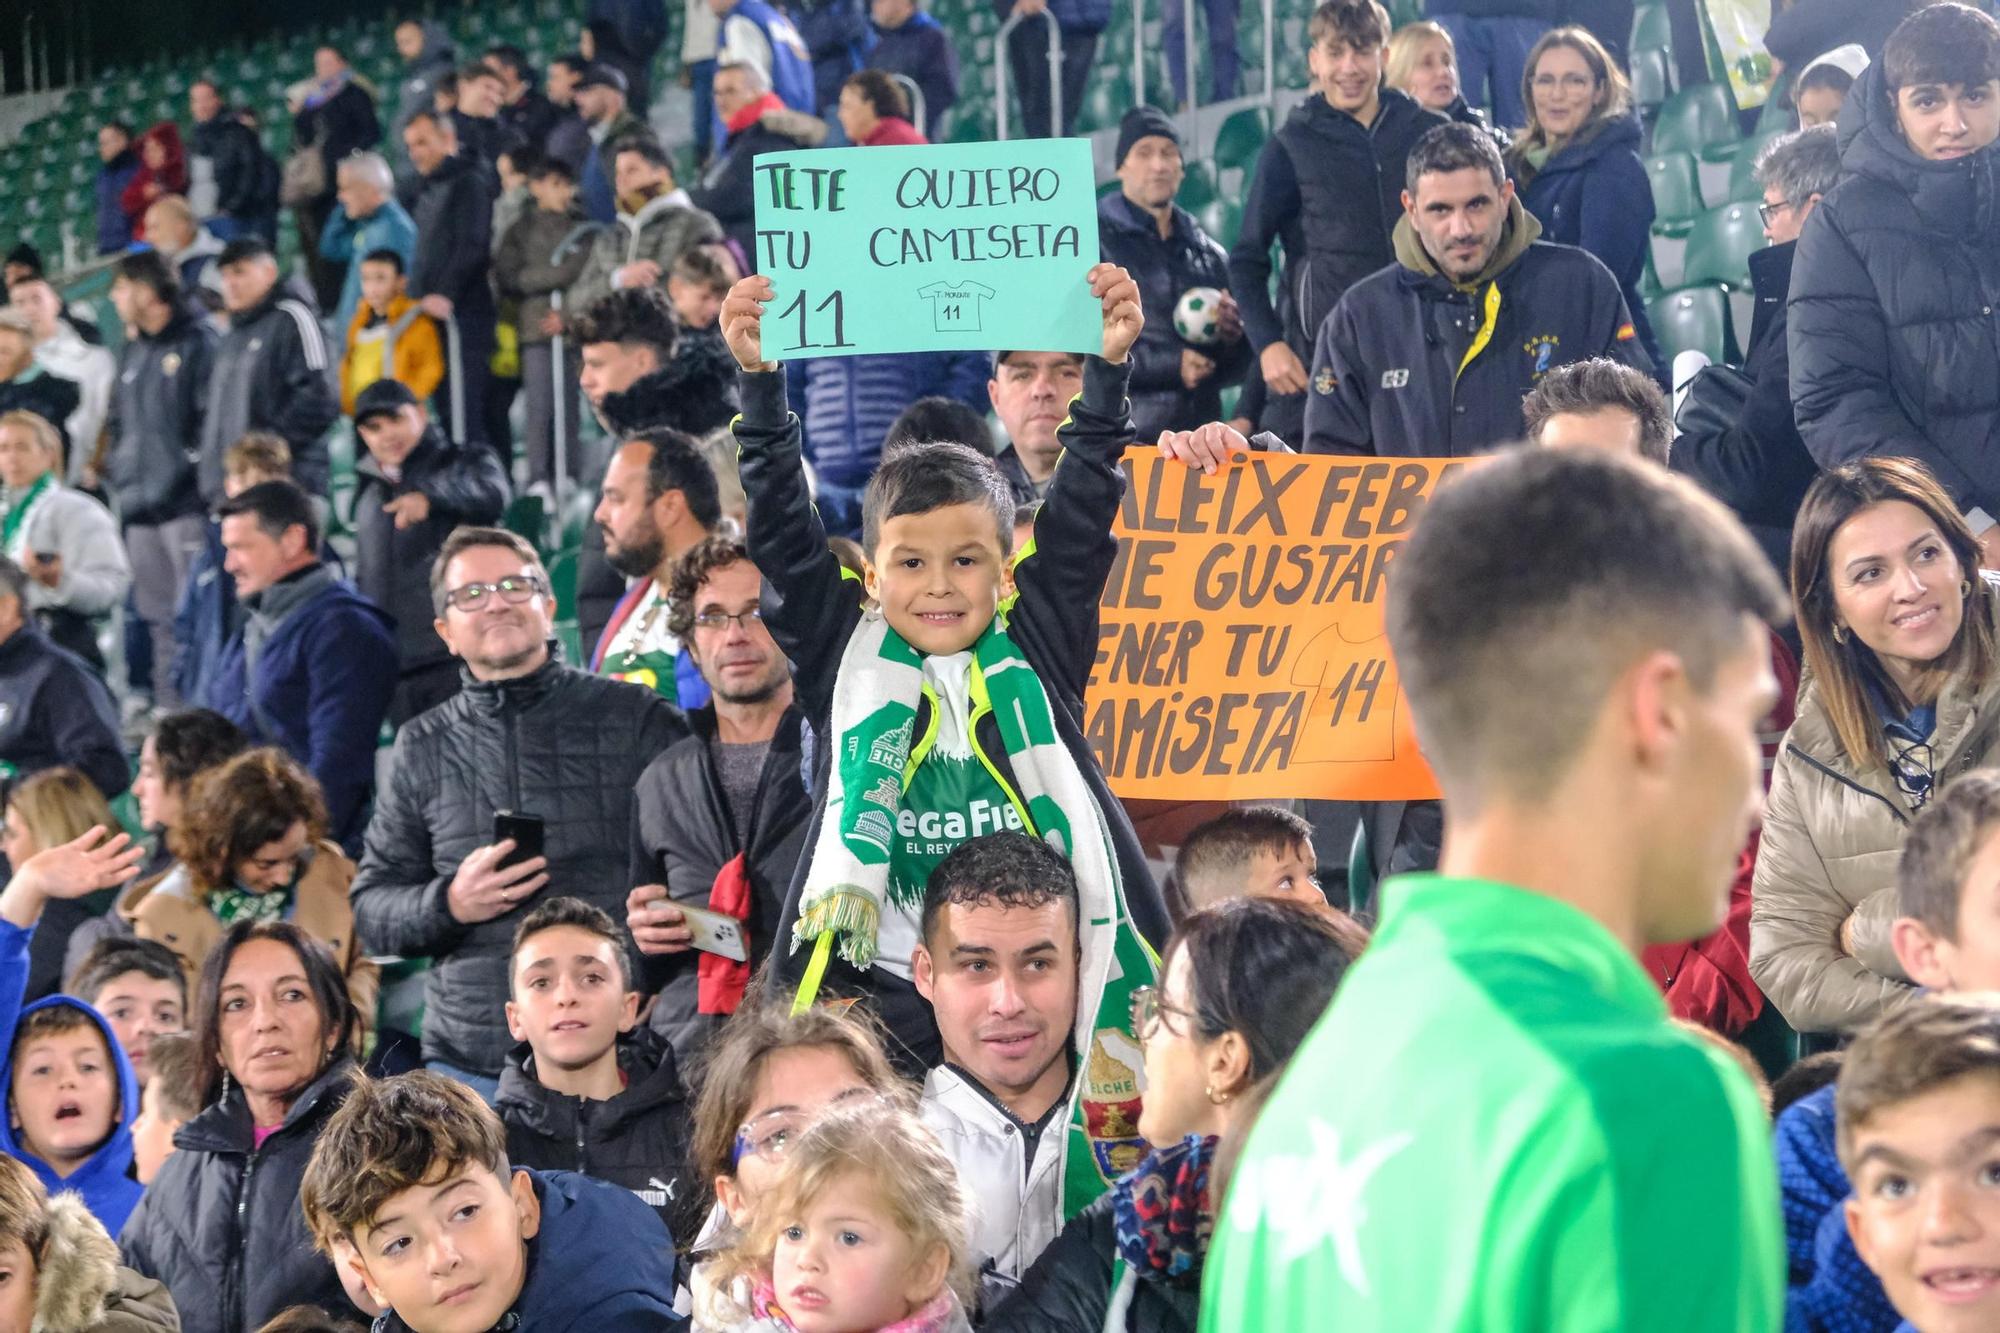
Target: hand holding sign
[
  {"x": 743, "y": 322},
  {"x": 1123, "y": 318},
  {"x": 1205, "y": 447}
]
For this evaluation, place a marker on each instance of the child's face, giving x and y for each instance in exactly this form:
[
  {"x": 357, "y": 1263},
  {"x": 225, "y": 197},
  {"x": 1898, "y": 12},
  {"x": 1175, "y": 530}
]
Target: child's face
[
  {"x": 1925, "y": 1212},
  {"x": 139, "y": 1008},
  {"x": 1288, "y": 875},
  {"x": 1971, "y": 961},
  {"x": 380, "y": 284},
  {"x": 940, "y": 576},
  {"x": 570, "y": 1001},
  {"x": 17, "y": 1285},
  {"x": 843, "y": 1265},
  {"x": 552, "y": 194},
  {"x": 152, "y": 1136},
  {"x": 793, "y": 1087},
  {"x": 698, "y": 304},
  {"x": 451, "y": 1257},
  {"x": 65, "y": 1096}
]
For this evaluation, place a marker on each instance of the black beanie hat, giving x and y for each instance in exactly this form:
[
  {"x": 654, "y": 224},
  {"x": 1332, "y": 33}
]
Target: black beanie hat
[{"x": 1143, "y": 122}]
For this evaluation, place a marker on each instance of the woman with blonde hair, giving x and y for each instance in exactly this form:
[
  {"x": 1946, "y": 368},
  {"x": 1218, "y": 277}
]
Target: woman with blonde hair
[
  {"x": 251, "y": 844},
  {"x": 1423, "y": 62},
  {"x": 1577, "y": 167},
  {"x": 1901, "y": 696},
  {"x": 66, "y": 542}
]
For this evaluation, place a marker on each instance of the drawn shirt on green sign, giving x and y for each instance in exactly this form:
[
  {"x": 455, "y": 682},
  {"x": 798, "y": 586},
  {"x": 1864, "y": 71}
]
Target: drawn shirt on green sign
[{"x": 955, "y": 305}]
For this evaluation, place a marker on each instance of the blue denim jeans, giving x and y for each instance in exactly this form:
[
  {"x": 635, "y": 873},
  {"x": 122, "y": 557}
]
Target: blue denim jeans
[{"x": 1492, "y": 53}]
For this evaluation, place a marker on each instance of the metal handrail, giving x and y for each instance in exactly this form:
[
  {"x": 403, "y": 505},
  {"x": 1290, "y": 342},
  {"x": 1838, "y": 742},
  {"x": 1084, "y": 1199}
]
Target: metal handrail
[
  {"x": 917, "y": 108},
  {"x": 1014, "y": 21}
]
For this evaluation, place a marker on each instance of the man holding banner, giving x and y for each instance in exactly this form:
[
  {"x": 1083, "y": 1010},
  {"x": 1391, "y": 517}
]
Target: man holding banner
[{"x": 1497, "y": 1126}]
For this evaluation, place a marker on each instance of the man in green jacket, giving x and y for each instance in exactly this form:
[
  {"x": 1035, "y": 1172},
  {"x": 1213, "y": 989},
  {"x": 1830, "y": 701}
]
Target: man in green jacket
[{"x": 1497, "y": 1126}]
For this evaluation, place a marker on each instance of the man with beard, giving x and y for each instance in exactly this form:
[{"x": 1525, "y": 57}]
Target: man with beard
[
  {"x": 659, "y": 499},
  {"x": 638, "y": 371},
  {"x": 526, "y": 734},
  {"x": 721, "y": 817}
]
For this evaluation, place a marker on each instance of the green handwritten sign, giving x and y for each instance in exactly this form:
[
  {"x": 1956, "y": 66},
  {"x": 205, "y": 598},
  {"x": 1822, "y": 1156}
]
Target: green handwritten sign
[{"x": 959, "y": 247}]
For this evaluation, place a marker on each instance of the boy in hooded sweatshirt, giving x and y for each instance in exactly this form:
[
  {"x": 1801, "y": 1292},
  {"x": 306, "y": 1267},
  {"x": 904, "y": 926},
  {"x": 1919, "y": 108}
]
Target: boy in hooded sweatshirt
[
  {"x": 71, "y": 1094},
  {"x": 63, "y": 1267},
  {"x": 390, "y": 337}
]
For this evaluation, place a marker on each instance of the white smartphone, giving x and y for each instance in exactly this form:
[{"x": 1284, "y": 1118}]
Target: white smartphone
[{"x": 715, "y": 932}]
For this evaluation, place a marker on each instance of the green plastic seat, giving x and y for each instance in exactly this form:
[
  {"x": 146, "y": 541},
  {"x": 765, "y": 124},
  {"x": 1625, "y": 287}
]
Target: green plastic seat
[
  {"x": 1198, "y": 187},
  {"x": 1652, "y": 79},
  {"x": 1240, "y": 138},
  {"x": 1695, "y": 119},
  {"x": 1220, "y": 219},
  {"x": 1720, "y": 246},
  {"x": 1676, "y": 183},
  {"x": 1743, "y": 184},
  {"x": 1692, "y": 319},
  {"x": 1103, "y": 104},
  {"x": 1652, "y": 30}
]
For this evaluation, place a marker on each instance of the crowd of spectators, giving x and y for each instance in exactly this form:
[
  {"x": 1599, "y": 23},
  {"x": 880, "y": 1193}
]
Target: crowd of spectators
[{"x": 824, "y": 739}]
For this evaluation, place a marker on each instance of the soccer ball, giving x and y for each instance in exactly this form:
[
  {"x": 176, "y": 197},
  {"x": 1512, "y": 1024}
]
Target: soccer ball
[{"x": 1195, "y": 316}]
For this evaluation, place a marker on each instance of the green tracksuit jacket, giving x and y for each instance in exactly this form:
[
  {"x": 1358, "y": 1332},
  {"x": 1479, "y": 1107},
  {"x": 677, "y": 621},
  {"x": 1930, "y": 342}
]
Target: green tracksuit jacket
[{"x": 1496, "y": 1127}]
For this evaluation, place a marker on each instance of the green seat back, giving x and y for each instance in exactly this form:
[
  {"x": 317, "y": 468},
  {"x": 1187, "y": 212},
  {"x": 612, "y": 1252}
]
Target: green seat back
[
  {"x": 1652, "y": 79},
  {"x": 1692, "y": 319},
  {"x": 1241, "y": 137},
  {"x": 1695, "y": 118},
  {"x": 1198, "y": 186},
  {"x": 1720, "y": 246},
  {"x": 1220, "y": 219},
  {"x": 1652, "y": 30},
  {"x": 1676, "y": 182}
]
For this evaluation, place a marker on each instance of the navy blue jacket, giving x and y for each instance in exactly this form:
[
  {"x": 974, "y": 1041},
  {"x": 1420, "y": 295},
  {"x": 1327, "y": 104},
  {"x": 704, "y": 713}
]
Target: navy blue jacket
[
  {"x": 55, "y": 710},
  {"x": 838, "y": 34},
  {"x": 104, "y": 1180},
  {"x": 114, "y": 229},
  {"x": 1892, "y": 330},
  {"x": 205, "y": 619},
  {"x": 923, "y": 50},
  {"x": 1594, "y": 194},
  {"x": 1831, "y": 1290},
  {"x": 602, "y": 1262},
  {"x": 319, "y": 692},
  {"x": 1164, "y": 268},
  {"x": 851, "y": 401}
]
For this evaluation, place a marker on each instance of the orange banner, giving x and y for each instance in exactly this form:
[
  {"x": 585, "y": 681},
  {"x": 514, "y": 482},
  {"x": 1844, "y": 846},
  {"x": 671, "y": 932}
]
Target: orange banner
[{"x": 1241, "y": 651}]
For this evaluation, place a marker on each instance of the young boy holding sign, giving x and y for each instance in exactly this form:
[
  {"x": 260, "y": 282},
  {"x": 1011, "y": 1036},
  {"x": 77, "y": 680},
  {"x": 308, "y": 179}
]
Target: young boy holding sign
[{"x": 945, "y": 687}]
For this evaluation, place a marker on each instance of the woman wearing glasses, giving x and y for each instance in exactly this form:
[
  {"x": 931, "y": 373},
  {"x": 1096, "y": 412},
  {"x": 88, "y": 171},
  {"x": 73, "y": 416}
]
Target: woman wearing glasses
[
  {"x": 1244, "y": 981},
  {"x": 772, "y": 1074},
  {"x": 1577, "y": 166},
  {"x": 1902, "y": 695},
  {"x": 252, "y": 845}
]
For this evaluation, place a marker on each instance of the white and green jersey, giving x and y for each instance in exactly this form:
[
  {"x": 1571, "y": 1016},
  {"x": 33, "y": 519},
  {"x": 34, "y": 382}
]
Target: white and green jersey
[{"x": 1497, "y": 1127}]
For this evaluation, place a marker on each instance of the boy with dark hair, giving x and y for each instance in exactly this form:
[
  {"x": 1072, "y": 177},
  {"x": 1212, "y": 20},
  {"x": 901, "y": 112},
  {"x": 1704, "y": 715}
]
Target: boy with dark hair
[
  {"x": 1583, "y": 642},
  {"x": 1600, "y": 403},
  {"x": 407, "y": 1162},
  {"x": 697, "y": 284},
  {"x": 169, "y": 1100},
  {"x": 945, "y": 693},
  {"x": 586, "y": 1090},
  {"x": 70, "y": 1091},
  {"x": 141, "y": 989},
  {"x": 390, "y": 338},
  {"x": 1919, "y": 1112},
  {"x": 1325, "y": 189},
  {"x": 1259, "y": 852}
]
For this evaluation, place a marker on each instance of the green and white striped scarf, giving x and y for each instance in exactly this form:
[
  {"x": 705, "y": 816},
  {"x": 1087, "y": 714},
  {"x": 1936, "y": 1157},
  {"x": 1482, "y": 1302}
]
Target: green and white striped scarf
[{"x": 875, "y": 703}]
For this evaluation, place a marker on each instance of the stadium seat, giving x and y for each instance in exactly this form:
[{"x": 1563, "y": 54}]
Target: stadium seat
[
  {"x": 1652, "y": 79},
  {"x": 1220, "y": 219},
  {"x": 1240, "y": 138},
  {"x": 1720, "y": 245},
  {"x": 1103, "y": 103},
  {"x": 1653, "y": 30},
  {"x": 1198, "y": 187},
  {"x": 1695, "y": 119},
  {"x": 1676, "y": 192},
  {"x": 1692, "y": 319},
  {"x": 1743, "y": 170}
]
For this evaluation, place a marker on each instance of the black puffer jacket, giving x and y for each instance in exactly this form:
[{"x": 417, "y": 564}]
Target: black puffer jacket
[
  {"x": 1895, "y": 307},
  {"x": 559, "y": 743},
  {"x": 221, "y": 1224},
  {"x": 392, "y": 566},
  {"x": 638, "y": 1139},
  {"x": 1069, "y": 1287},
  {"x": 682, "y": 836},
  {"x": 270, "y": 373},
  {"x": 1165, "y": 267}
]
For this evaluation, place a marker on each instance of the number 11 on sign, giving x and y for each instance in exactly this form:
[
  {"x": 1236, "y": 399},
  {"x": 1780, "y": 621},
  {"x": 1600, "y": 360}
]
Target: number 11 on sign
[{"x": 836, "y": 303}]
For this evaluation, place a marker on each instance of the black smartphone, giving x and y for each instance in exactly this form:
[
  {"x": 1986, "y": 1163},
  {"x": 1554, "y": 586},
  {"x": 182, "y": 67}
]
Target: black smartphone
[{"x": 525, "y": 830}]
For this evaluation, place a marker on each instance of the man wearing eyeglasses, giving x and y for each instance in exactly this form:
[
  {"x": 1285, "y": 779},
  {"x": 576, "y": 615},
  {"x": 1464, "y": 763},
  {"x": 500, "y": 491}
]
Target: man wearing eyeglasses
[
  {"x": 529, "y": 735},
  {"x": 313, "y": 664},
  {"x": 722, "y": 815}
]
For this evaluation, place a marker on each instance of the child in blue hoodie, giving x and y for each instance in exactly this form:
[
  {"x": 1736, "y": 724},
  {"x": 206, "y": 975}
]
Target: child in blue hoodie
[
  {"x": 416, "y": 1166},
  {"x": 71, "y": 1094}
]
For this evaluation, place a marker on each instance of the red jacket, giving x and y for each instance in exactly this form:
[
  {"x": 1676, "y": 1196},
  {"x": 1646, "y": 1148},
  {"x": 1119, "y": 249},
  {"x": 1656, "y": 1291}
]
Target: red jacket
[
  {"x": 1708, "y": 981},
  {"x": 894, "y": 130}
]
